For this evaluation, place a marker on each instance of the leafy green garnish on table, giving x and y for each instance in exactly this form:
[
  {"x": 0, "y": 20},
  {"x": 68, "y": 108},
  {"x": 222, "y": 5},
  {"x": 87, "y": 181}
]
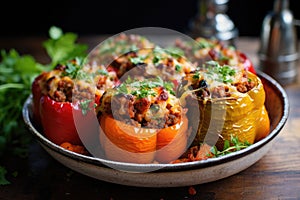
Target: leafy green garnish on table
[
  {"x": 17, "y": 73},
  {"x": 3, "y": 180},
  {"x": 61, "y": 47},
  {"x": 232, "y": 145}
]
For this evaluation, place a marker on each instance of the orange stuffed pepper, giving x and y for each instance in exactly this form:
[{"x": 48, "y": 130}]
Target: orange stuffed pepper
[{"x": 142, "y": 122}]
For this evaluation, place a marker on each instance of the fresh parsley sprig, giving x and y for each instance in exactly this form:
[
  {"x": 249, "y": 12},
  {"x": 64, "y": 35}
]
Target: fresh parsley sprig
[
  {"x": 61, "y": 47},
  {"x": 17, "y": 73},
  {"x": 75, "y": 68},
  {"x": 232, "y": 145}
]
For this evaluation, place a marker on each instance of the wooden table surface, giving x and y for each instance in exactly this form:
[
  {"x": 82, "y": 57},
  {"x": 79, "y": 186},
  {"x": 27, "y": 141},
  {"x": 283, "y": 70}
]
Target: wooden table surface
[{"x": 275, "y": 176}]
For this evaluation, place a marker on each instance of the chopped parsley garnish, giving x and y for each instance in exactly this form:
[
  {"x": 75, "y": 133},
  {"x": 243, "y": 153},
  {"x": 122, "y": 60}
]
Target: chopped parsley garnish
[
  {"x": 122, "y": 89},
  {"x": 159, "y": 50},
  {"x": 167, "y": 52},
  {"x": 142, "y": 89},
  {"x": 122, "y": 45},
  {"x": 84, "y": 105},
  {"x": 175, "y": 52},
  {"x": 73, "y": 68},
  {"x": 231, "y": 47},
  {"x": 203, "y": 43},
  {"x": 224, "y": 58},
  {"x": 169, "y": 86},
  {"x": 137, "y": 60},
  {"x": 156, "y": 59},
  {"x": 196, "y": 75},
  {"x": 143, "y": 93},
  {"x": 102, "y": 72},
  {"x": 82, "y": 75},
  {"x": 158, "y": 55},
  {"x": 220, "y": 73},
  {"x": 178, "y": 68}
]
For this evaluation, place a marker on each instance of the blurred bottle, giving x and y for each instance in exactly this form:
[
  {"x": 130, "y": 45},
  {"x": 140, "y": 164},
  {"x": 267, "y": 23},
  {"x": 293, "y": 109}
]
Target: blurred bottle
[
  {"x": 212, "y": 21},
  {"x": 278, "y": 52}
]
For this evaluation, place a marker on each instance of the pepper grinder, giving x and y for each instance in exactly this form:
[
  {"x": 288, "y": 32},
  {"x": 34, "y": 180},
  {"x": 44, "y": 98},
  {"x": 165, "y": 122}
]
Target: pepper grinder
[
  {"x": 212, "y": 21},
  {"x": 278, "y": 52}
]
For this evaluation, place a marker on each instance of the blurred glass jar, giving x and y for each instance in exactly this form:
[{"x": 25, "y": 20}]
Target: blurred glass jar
[
  {"x": 212, "y": 21},
  {"x": 278, "y": 51}
]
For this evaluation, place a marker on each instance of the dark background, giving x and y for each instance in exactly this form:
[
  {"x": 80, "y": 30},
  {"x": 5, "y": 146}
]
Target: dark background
[{"x": 111, "y": 16}]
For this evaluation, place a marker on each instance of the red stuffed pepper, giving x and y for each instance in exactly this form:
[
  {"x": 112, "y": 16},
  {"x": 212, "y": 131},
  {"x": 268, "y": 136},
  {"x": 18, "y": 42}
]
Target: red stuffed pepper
[
  {"x": 58, "y": 119},
  {"x": 59, "y": 102},
  {"x": 37, "y": 93}
]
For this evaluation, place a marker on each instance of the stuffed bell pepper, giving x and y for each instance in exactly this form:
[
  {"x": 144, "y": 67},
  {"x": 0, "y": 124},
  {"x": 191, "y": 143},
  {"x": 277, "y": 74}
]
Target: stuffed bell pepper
[
  {"x": 153, "y": 62},
  {"x": 113, "y": 51},
  {"x": 67, "y": 92},
  {"x": 142, "y": 122},
  {"x": 230, "y": 102},
  {"x": 204, "y": 49}
]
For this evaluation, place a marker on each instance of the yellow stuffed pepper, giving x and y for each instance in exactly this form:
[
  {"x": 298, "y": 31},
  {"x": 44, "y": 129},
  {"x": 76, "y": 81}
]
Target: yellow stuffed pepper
[{"x": 229, "y": 101}]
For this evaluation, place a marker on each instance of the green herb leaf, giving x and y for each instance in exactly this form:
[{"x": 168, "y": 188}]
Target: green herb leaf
[
  {"x": 169, "y": 86},
  {"x": 55, "y": 32},
  {"x": 178, "y": 68},
  {"x": 75, "y": 70},
  {"x": 84, "y": 105},
  {"x": 102, "y": 72},
  {"x": 214, "y": 150},
  {"x": 3, "y": 180},
  {"x": 226, "y": 144},
  {"x": 62, "y": 47},
  {"x": 196, "y": 75},
  {"x": 230, "y": 146},
  {"x": 137, "y": 60},
  {"x": 203, "y": 43},
  {"x": 122, "y": 88},
  {"x": 175, "y": 52},
  {"x": 16, "y": 77},
  {"x": 219, "y": 73},
  {"x": 142, "y": 89},
  {"x": 17, "y": 73},
  {"x": 156, "y": 59}
]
